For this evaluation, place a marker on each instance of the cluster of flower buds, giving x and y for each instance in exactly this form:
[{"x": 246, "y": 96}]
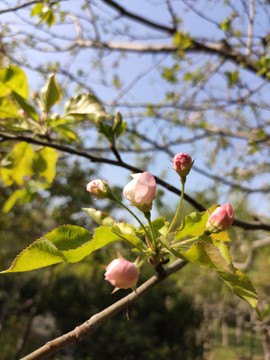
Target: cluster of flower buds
[{"x": 141, "y": 192}]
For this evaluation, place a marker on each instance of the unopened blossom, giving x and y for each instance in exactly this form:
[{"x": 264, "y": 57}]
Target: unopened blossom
[
  {"x": 182, "y": 164},
  {"x": 141, "y": 191},
  {"x": 99, "y": 189},
  {"x": 221, "y": 218},
  {"x": 122, "y": 274}
]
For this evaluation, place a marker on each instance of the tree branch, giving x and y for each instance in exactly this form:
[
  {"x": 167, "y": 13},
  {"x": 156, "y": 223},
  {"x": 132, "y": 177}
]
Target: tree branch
[
  {"x": 138, "y": 18},
  {"x": 18, "y": 7},
  {"x": 88, "y": 327},
  {"x": 254, "y": 246},
  {"x": 243, "y": 224},
  {"x": 221, "y": 48}
]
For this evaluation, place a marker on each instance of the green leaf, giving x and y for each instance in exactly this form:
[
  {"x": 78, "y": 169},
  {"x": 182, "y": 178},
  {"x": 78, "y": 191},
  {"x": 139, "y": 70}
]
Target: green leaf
[
  {"x": 232, "y": 77},
  {"x": 15, "y": 80},
  {"x": 44, "y": 163},
  {"x": 226, "y": 24},
  {"x": 49, "y": 18},
  {"x": 106, "y": 130},
  {"x": 19, "y": 164},
  {"x": 85, "y": 106},
  {"x": 100, "y": 217},
  {"x": 8, "y": 109},
  {"x": 66, "y": 132},
  {"x": 28, "y": 108},
  {"x": 221, "y": 236},
  {"x": 241, "y": 286},
  {"x": 127, "y": 232},
  {"x": 160, "y": 225},
  {"x": 37, "y": 9},
  {"x": 50, "y": 94},
  {"x": 103, "y": 236},
  {"x": 13, "y": 198},
  {"x": 207, "y": 254},
  {"x": 193, "y": 224},
  {"x": 65, "y": 243},
  {"x": 216, "y": 256}
]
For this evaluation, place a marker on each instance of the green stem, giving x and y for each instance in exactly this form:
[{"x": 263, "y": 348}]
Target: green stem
[
  {"x": 132, "y": 213},
  {"x": 147, "y": 215},
  {"x": 183, "y": 180},
  {"x": 186, "y": 241}
]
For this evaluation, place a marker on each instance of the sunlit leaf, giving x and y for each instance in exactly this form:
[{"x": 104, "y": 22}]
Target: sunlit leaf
[
  {"x": 14, "y": 79},
  {"x": 65, "y": 243},
  {"x": 100, "y": 217},
  {"x": 8, "y": 109},
  {"x": 85, "y": 106},
  {"x": 37, "y": 9},
  {"x": 129, "y": 237},
  {"x": 20, "y": 164},
  {"x": 13, "y": 198},
  {"x": 28, "y": 108},
  {"x": 50, "y": 94},
  {"x": 193, "y": 224},
  {"x": 44, "y": 163}
]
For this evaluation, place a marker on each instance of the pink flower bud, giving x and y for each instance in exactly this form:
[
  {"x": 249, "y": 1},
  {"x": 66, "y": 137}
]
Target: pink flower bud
[
  {"x": 221, "y": 218},
  {"x": 182, "y": 164},
  {"x": 99, "y": 189},
  {"x": 141, "y": 191},
  {"x": 122, "y": 274}
]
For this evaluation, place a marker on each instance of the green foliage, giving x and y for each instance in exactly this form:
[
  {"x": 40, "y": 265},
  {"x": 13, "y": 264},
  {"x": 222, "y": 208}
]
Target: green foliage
[
  {"x": 112, "y": 132},
  {"x": 45, "y": 13},
  {"x": 50, "y": 94},
  {"x": 45, "y": 162},
  {"x": 193, "y": 224},
  {"x": 183, "y": 42},
  {"x": 170, "y": 73},
  {"x": 264, "y": 65},
  {"x": 14, "y": 79},
  {"x": 85, "y": 106},
  {"x": 18, "y": 164},
  {"x": 100, "y": 217},
  {"x": 232, "y": 77},
  {"x": 226, "y": 24}
]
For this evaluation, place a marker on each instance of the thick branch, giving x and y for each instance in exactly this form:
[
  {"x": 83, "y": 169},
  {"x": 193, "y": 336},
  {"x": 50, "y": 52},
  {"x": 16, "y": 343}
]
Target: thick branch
[
  {"x": 221, "y": 48},
  {"x": 88, "y": 327}
]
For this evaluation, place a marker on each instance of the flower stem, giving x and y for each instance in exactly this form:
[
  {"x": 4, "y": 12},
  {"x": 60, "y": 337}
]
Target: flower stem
[
  {"x": 183, "y": 180},
  {"x": 184, "y": 242},
  {"x": 147, "y": 215},
  {"x": 132, "y": 213}
]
